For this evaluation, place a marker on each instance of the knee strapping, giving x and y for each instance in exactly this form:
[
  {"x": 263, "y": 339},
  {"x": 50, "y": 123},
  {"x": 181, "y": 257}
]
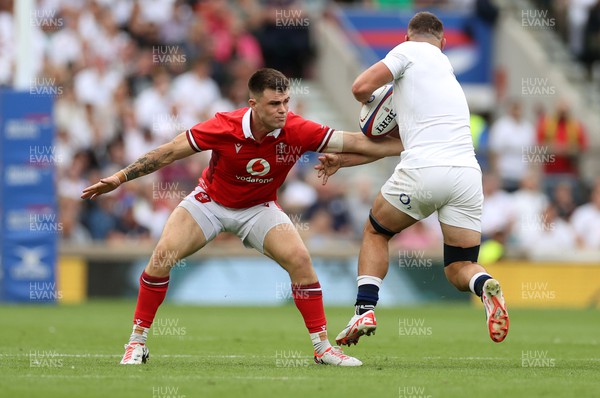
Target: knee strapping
[
  {"x": 453, "y": 254},
  {"x": 378, "y": 227}
]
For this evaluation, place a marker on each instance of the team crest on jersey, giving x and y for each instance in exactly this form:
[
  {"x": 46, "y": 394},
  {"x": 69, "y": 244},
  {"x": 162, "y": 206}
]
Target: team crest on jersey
[
  {"x": 202, "y": 197},
  {"x": 285, "y": 153},
  {"x": 280, "y": 148},
  {"x": 258, "y": 167}
]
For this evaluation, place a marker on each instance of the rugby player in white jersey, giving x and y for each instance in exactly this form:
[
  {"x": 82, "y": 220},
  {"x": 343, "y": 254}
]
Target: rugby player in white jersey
[{"x": 437, "y": 172}]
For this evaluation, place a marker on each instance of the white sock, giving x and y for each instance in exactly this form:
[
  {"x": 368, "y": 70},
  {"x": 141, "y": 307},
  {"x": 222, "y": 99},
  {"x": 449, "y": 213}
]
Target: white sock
[
  {"x": 320, "y": 345},
  {"x": 138, "y": 338},
  {"x": 474, "y": 278},
  {"x": 369, "y": 280}
]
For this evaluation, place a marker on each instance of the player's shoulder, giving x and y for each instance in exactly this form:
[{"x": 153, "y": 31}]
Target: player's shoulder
[
  {"x": 405, "y": 47},
  {"x": 228, "y": 123},
  {"x": 416, "y": 48},
  {"x": 406, "y": 52},
  {"x": 231, "y": 116},
  {"x": 293, "y": 117},
  {"x": 296, "y": 124},
  {"x": 230, "y": 119},
  {"x": 295, "y": 120}
]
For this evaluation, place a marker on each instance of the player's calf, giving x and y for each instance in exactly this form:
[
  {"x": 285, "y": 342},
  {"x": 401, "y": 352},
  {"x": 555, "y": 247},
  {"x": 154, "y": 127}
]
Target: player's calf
[{"x": 462, "y": 271}]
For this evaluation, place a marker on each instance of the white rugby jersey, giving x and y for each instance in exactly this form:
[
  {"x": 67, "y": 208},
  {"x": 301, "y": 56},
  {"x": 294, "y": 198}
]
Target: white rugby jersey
[{"x": 432, "y": 111}]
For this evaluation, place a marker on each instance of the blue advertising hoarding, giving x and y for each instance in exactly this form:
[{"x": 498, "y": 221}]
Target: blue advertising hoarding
[{"x": 29, "y": 225}]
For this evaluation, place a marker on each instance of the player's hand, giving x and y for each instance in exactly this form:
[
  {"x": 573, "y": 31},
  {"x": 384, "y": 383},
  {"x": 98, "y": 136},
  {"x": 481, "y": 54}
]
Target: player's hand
[
  {"x": 330, "y": 164},
  {"x": 104, "y": 186}
]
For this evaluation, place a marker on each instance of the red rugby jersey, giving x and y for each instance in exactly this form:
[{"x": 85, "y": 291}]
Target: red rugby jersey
[{"x": 242, "y": 172}]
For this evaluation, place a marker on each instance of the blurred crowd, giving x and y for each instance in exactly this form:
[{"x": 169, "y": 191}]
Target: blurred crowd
[
  {"x": 536, "y": 199},
  {"x": 133, "y": 74},
  {"x": 578, "y": 23},
  {"x": 129, "y": 75}
]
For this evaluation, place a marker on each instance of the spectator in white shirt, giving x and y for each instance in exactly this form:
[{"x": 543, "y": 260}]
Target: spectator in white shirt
[
  {"x": 551, "y": 235},
  {"x": 137, "y": 141},
  {"x": 195, "y": 91},
  {"x": 96, "y": 84},
  {"x": 110, "y": 42},
  {"x": 529, "y": 204},
  {"x": 497, "y": 215},
  {"x": 156, "y": 12},
  {"x": 65, "y": 45},
  {"x": 153, "y": 105},
  {"x": 509, "y": 135},
  {"x": 70, "y": 115},
  {"x": 586, "y": 221}
]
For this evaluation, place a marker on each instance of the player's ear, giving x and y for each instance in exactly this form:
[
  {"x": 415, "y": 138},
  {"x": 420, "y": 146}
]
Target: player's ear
[
  {"x": 252, "y": 102},
  {"x": 442, "y": 43},
  {"x": 406, "y": 38}
]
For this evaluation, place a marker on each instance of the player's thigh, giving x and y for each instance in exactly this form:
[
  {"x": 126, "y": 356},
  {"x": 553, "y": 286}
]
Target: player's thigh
[
  {"x": 460, "y": 218},
  {"x": 460, "y": 237},
  {"x": 283, "y": 244},
  {"x": 389, "y": 216},
  {"x": 181, "y": 236},
  {"x": 191, "y": 225},
  {"x": 270, "y": 231},
  {"x": 408, "y": 196}
]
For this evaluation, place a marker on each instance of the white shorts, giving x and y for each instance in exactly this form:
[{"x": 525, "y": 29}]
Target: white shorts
[
  {"x": 455, "y": 192},
  {"x": 250, "y": 224}
]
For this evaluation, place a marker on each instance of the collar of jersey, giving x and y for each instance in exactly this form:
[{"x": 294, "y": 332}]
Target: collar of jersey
[{"x": 246, "y": 126}]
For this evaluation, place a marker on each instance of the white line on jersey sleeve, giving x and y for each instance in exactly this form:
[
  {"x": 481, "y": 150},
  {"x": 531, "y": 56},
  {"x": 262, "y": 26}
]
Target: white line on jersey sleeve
[
  {"x": 192, "y": 142},
  {"x": 325, "y": 140}
]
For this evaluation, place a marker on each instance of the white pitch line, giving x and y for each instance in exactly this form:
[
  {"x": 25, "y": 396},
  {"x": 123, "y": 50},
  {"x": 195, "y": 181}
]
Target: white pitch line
[
  {"x": 58, "y": 355},
  {"x": 472, "y": 358},
  {"x": 503, "y": 358},
  {"x": 170, "y": 377},
  {"x": 47, "y": 353}
]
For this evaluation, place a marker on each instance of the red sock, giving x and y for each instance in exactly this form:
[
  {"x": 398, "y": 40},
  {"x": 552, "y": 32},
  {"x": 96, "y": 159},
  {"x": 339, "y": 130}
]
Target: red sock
[
  {"x": 309, "y": 300},
  {"x": 152, "y": 292}
]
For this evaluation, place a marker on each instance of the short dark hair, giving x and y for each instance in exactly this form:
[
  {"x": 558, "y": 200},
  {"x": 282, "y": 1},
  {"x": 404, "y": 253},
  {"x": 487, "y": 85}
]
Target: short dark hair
[
  {"x": 424, "y": 24},
  {"x": 268, "y": 78}
]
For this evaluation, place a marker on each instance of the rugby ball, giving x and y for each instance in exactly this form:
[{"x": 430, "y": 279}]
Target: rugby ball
[{"x": 377, "y": 116}]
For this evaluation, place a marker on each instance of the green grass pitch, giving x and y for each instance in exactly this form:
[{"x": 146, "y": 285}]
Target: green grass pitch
[{"x": 438, "y": 351}]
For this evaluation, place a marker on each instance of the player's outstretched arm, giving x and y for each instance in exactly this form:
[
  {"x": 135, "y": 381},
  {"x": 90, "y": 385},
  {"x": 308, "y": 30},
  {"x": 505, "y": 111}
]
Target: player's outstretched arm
[
  {"x": 353, "y": 149},
  {"x": 350, "y": 142},
  {"x": 332, "y": 162},
  {"x": 157, "y": 158}
]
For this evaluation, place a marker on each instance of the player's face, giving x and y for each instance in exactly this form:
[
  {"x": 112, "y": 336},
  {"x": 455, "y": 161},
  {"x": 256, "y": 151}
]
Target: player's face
[{"x": 271, "y": 109}]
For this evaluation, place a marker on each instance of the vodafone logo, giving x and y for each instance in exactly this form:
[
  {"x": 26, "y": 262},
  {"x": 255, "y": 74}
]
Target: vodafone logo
[{"x": 258, "y": 167}]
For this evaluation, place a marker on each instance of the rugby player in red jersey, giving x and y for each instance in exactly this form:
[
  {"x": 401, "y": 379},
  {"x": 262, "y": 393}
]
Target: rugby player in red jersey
[{"x": 238, "y": 193}]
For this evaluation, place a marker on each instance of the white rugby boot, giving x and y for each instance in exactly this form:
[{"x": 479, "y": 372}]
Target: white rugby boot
[
  {"x": 359, "y": 325},
  {"x": 495, "y": 310},
  {"x": 335, "y": 356},
  {"x": 135, "y": 354}
]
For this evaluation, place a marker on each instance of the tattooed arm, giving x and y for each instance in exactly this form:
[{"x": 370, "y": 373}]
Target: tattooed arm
[{"x": 155, "y": 159}]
